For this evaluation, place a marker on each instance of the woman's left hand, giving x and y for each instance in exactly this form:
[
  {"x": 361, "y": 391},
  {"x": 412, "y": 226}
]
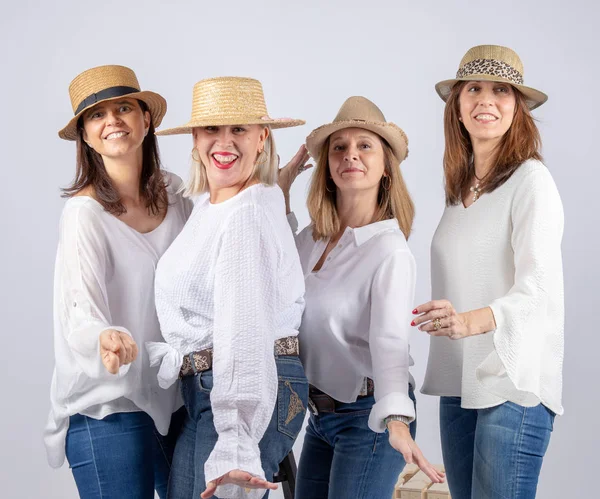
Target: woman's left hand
[
  {"x": 295, "y": 167},
  {"x": 237, "y": 477},
  {"x": 438, "y": 318}
]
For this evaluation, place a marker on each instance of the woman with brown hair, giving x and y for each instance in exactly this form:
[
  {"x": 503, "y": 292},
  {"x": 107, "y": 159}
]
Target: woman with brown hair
[
  {"x": 108, "y": 414},
  {"x": 497, "y": 316},
  {"x": 360, "y": 276}
]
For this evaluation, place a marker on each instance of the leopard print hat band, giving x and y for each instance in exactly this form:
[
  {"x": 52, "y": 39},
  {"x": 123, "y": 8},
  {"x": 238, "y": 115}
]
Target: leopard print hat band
[{"x": 493, "y": 63}]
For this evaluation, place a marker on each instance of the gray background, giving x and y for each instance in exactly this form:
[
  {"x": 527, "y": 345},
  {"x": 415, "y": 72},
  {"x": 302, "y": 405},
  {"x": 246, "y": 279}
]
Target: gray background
[{"x": 310, "y": 56}]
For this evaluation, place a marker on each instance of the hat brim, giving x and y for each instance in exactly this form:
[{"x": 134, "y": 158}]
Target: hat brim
[
  {"x": 534, "y": 98},
  {"x": 157, "y": 106},
  {"x": 391, "y": 132},
  {"x": 220, "y": 121}
]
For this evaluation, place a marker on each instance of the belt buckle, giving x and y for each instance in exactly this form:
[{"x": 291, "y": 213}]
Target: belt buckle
[{"x": 312, "y": 406}]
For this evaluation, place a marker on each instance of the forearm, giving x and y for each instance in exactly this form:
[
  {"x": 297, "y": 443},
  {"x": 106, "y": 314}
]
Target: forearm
[{"x": 479, "y": 321}]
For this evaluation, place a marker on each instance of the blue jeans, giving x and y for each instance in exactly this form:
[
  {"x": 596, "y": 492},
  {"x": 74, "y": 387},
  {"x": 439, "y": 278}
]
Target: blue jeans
[
  {"x": 494, "y": 453},
  {"x": 342, "y": 457},
  {"x": 120, "y": 456},
  {"x": 198, "y": 435}
]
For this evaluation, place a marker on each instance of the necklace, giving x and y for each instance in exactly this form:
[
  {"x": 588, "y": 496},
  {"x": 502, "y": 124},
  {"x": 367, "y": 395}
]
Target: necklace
[{"x": 475, "y": 189}]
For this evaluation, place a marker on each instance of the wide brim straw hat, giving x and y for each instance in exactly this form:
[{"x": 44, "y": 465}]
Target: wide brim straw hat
[
  {"x": 492, "y": 63},
  {"x": 360, "y": 112},
  {"x": 229, "y": 100},
  {"x": 106, "y": 83}
]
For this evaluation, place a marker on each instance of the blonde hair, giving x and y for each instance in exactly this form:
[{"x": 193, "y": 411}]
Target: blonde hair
[
  {"x": 394, "y": 202},
  {"x": 265, "y": 170}
]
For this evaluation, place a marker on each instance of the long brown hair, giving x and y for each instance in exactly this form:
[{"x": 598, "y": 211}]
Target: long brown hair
[
  {"x": 521, "y": 142},
  {"x": 394, "y": 202},
  {"x": 90, "y": 171}
]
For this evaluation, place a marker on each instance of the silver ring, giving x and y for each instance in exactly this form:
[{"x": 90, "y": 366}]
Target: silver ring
[{"x": 301, "y": 168}]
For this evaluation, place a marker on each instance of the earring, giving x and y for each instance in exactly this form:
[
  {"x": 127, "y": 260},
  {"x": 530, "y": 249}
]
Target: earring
[
  {"x": 195, "y": 153},
  {"x": 327, "y": 185},
  {"x": 387, "y": 186},
  {"x": 460, "y": 118}
]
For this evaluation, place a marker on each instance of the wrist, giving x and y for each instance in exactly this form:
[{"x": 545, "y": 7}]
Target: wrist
[{"x": 396, "y": 422}]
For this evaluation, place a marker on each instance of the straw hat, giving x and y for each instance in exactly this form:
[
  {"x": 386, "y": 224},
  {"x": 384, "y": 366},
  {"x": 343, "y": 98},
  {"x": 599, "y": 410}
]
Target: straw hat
[
  {"x": 229, "y": 100},
  {"x": 106, "y": 83},
  {"x": 492, "y": 63},
  {"x": 360, "y": 112}
]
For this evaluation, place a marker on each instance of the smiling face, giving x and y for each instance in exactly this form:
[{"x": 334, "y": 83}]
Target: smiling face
[
  {"x": 486, "y": 109},
  {"x": 229, "y": 154},
  {"x": 116, "y": 129},
  {"x": 356, "y": 160}
]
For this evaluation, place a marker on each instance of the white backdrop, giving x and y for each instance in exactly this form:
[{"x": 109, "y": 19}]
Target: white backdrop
[{"x": 310, "y": 56}]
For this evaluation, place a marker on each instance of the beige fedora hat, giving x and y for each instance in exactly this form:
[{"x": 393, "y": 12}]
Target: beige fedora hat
[
  {"x": 229, "y": 100},
  {"x": 106, "y": 83},
  {"x": 492, "y": 63},
  {"x": 360, "y": 112}
]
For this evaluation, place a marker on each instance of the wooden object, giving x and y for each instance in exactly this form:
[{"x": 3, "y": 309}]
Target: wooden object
[{"x": 414, "y": 484}]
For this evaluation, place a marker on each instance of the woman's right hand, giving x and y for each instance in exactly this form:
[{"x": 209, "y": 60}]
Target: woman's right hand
[
  {"x": 289, "y": 172},
  {"x": 116, "y": 349},
  {"x": 402, "y": 441}
]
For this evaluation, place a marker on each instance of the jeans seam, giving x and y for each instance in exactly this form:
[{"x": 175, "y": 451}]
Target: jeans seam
[
  {"x": 367, "y": 466},
  {"x": 160, "y": 446},
  {"x": 87, "y": 424},
  {"x": 518, "y": 463}
]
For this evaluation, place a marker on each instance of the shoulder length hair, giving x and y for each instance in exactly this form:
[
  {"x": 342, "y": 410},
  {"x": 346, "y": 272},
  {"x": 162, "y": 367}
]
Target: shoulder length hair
[
  {"x": 521, "y": 142},
  {"x": 394, "y": 202},
  {"x": 91, "y": 172}
]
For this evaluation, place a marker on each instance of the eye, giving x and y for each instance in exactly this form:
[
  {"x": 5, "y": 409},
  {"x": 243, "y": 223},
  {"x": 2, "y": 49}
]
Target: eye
[
  {"x": 95, "y": 115},
  {"x": 238, "y": 129},
  {"x": 211, "y": 129},
  {"x": 365, "y": 145},
  {"x": 125, "y": 108},
  {"x": 502, "y": 89},
  {"x": 338, "y": 147},
  {"x": 473, "y": 88}
]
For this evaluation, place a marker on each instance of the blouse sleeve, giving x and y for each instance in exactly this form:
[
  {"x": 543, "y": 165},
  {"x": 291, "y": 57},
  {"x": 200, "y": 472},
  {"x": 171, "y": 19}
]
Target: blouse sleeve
[
  {"x": 244, "y": 371},
  {"x": 530, "y": 317},
  {"x": 392, "y": 293},
  {"x": 80, "y": 301}
]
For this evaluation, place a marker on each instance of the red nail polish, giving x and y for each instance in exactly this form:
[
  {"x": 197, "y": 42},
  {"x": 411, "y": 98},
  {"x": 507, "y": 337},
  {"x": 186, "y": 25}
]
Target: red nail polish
[
  {"x": 412, "y": 323},
  {"x": 415, "y": 311}
]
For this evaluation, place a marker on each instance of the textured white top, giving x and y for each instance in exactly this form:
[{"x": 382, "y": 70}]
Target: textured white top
[
  {"x": 104, "y": 279},
  {"x": 232, "y": 281},
  {"x": 503, "y": 252},
  {"x": 357, "y": 318}
]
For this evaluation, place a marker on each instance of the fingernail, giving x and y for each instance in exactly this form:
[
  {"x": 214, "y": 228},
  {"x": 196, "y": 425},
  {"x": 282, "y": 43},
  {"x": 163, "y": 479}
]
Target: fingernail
[
  {"x": 415, "y": 311},
  {"x": 412, "y": 323}
]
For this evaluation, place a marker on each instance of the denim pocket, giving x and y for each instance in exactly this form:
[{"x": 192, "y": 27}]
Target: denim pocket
[
  {"x": 292, "y": 398},
  {"x": 204, "y": 381}
]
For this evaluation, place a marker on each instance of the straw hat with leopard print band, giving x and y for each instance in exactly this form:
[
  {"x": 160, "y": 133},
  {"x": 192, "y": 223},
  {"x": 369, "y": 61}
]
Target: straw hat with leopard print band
[
  {"x": 493, "y": 63},
  {"x": 360, "y": 112},
  {"x": 229, "y": 100},
  {"x": 106, "y": 83}
]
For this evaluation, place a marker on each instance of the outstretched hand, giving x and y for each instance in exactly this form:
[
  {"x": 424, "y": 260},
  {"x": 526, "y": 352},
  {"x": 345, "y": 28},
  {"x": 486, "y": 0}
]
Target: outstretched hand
[{"x": 240, "y": 478}]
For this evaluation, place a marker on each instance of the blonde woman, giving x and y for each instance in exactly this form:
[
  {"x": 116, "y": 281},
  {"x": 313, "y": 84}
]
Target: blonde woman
[
  {"x": 360, "y": 276},
  {"x": 497, "y": 316},
  {"x": 229, "y": 295},
  {"x": 108, "y": 413}
]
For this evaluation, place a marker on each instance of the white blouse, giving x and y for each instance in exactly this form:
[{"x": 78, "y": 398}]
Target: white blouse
[
  {"x": 503, "y": 252},
  {"x": 232, "y": 281},
  {"x": 104, "y": 279},
  {"x": 357, "y": 317}
]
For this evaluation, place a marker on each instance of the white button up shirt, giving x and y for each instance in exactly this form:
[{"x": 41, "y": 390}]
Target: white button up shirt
[{"x": 357, "y": 316}]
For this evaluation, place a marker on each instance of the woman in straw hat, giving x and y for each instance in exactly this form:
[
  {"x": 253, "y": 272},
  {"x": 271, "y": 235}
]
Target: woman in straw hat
[
  {"x": 107, "y": 410},
  {"x": 497, "y": 316},
  {"x": 229, "y": 296},
  {"x": 360, "y": 277}
]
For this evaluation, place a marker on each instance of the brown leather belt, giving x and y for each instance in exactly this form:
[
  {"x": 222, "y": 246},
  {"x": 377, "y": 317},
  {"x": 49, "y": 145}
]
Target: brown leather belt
[
  {"x": 320, "y": 402},
  {"x": 202, "y": 360}
]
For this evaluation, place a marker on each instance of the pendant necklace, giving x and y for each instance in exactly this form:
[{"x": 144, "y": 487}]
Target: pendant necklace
[{"x": 475, "y": 189}]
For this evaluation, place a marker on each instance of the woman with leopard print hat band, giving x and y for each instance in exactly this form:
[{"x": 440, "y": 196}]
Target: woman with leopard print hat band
[{"x": 496, "y": 321}]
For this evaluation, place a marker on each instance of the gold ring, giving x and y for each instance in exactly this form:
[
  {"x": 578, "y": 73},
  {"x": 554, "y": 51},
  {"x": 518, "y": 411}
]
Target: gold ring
[{"x": 437, "y": 324}]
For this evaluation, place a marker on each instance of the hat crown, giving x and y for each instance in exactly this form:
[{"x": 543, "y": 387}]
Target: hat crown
[
  {"x": 95, "y": 80},
  {"x": 495, "y": 53},
  {"x": 359, "y": 109},
  {"x": 228, "y": 98}
]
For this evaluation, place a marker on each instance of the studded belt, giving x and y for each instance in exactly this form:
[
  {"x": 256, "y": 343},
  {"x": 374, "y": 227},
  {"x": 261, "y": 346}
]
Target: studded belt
[{"x": 202, "y": 360}]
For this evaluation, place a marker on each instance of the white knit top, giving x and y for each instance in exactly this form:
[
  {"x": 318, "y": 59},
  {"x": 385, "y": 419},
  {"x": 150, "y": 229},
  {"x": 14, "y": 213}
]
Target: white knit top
[
  {"x": 232, "y": 281},
  {"x": 104, "y": 279},
  {"x": 503, "y": 252}
]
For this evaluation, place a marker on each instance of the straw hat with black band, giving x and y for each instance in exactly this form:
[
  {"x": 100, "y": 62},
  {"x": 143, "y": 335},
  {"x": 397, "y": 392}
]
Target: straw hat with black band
[
  {"x": 492, "y": 63},
  {"x": 106, "y": 83},
  {"x": 229, "y": 100},
  {"x": 360, "y": 112}
]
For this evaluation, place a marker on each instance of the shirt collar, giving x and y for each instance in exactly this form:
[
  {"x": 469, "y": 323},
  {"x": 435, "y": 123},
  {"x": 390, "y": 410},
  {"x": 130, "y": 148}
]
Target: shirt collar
[{"x": 363, "y": 234}]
